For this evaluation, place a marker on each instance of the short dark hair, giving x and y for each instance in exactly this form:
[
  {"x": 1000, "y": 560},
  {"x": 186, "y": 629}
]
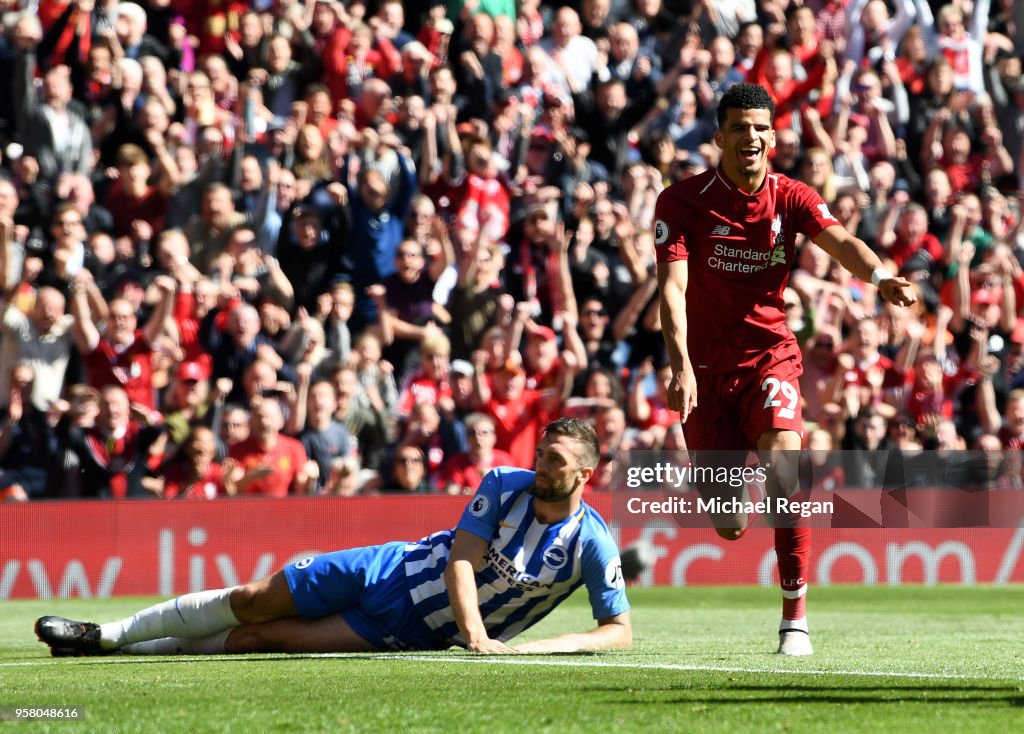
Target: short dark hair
[
  {"x": 317, "y": 88},
  {"x": 748, "y": 24},
  {"x": 745, "y": 96},
  {"x": 581, "y": 431},
  {"x": 130, "y": 154},
  {"x": 792, "y": 10}
]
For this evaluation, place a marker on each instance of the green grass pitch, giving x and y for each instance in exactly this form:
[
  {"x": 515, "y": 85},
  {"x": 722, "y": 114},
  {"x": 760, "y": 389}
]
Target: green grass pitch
[{"x": 888, "y": 659}]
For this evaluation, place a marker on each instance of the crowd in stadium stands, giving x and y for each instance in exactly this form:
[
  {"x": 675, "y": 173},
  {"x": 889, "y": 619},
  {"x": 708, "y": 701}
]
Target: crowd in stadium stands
[{"x": 317, "y": 247}]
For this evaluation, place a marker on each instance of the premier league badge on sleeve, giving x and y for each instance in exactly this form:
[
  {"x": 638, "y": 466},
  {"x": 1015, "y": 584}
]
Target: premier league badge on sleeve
[
  {"x": 660, "y": 232},
  {"x": 479, "y": 506}
]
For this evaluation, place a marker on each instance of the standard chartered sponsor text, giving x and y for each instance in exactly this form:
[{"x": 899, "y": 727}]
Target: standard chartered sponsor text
[{"x": 738, "y": 259}]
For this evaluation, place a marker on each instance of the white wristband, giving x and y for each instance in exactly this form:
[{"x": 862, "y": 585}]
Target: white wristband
[{"x": 878, "y": 275}]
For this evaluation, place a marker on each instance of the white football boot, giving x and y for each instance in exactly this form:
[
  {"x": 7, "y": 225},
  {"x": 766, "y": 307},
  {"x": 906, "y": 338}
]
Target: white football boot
[{"x": 794, "y": 640}]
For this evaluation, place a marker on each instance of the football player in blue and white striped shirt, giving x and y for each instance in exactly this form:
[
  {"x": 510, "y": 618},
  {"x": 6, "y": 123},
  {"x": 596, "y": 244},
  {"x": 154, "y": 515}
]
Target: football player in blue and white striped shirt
[{"x": 525, "y": 542}]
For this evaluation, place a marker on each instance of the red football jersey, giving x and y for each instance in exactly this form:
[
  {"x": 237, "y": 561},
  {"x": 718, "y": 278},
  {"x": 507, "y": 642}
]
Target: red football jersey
[
  {"x": 211, "y": 485},
  {"x": 518, "y": 425},
  {"x": 131, "y": 368},
  {"x": 901, "y": 250},
  {"x": 740, "y": 249},
  {"x": 421, "y": 389},
  {"x": 286, "y": 459},
  {"x": 462, "y": 470}
]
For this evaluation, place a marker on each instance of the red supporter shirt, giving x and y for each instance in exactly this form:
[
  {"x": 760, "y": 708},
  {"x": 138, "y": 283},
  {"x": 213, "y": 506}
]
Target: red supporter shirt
[
  {"x": 421, "y": 389},
  {"x": 893, "y": 378},
  {"x": 461, "y": 470},
  {"x": 434, "y": 453},
  {"x": 208, "y": 487},
  {"x": 188, "y": 331},
  {"x": 661, "y": 415},
  {"x": 545, "y": 380},
  {"x": 901, "y": 250},
  {"x": 923, "y": 403},
  {"x": 287, "y": 458},
  {"x": 965, "y": 176},
  {"x": 517, "y": 424},
  {"x": 152, "y": 208},
  {"x": 1010, "y": 439},
  {"x": 787, "y": 95},
  {"x": 740, "y": 249},
  {"x": 211, "y": 20},
  {"x": 131, "y": 368},
  {"x": 958, "y": 54},
  {"x": 482, "y": 204},
  {"x": 913, "y": 79},
  {"x": 807, "y": 54},
  {"x": 118, "y": 455}
]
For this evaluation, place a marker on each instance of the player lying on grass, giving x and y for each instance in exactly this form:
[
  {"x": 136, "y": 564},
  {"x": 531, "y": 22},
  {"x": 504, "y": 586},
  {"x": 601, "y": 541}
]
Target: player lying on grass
[{"x": 524, "y": 543}]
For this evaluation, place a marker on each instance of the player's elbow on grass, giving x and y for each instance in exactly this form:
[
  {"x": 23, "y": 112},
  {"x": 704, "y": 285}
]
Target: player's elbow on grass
[
  {"x": 612, "y": 633},
  {"x": 620, "y": 629}
]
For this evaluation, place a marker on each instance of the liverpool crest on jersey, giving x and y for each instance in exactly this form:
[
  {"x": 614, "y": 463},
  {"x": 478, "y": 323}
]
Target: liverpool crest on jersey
[{"x": 778, "y": 246}]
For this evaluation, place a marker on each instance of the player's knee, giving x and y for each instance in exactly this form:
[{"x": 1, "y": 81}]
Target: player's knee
[
  {"x": 245, "y": 602},
  {"x": 778, "y": 439},
  {"x": 244, "y": 639},
  {"x": 730, "y": 533},
  {"x": 263, "y": 601}
]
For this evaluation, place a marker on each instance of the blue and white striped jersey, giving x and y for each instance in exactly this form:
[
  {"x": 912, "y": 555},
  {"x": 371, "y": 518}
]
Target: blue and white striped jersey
[{"x": 530, "y": 567}]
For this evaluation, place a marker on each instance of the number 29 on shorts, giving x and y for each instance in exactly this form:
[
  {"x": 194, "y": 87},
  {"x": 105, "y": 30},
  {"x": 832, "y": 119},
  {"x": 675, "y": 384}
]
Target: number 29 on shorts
[{"x": 779, "y": 392}]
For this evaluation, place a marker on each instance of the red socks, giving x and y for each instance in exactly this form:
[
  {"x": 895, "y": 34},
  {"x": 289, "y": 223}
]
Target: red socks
[{"x": 793, "y": 546}]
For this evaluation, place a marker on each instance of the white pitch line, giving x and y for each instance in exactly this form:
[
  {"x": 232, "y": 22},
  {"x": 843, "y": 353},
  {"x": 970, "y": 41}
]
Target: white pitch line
[
  {"x": 128, "y": 659},
  {"x": 683, "y": 667}
]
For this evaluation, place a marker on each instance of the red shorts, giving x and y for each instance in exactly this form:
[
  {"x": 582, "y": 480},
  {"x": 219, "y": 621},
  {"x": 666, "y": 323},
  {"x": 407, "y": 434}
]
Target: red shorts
[{"x": 735, "y": 408}]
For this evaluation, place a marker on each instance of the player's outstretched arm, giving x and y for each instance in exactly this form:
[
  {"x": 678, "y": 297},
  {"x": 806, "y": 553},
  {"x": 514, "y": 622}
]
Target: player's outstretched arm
[
  {"x": 854, "y": 255},
  {"x": 611, "y": 633},
  {"x": 460, "y": 578},
  {"x": 682, "y": 389}
]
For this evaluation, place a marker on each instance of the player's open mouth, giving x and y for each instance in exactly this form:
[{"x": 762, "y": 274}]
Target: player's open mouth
[{"x": 750, "y": 154}]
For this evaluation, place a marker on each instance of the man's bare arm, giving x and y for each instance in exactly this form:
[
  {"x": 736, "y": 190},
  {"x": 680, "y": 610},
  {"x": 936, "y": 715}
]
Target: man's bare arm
[
  {"x": 83, "y": 329},
  {"x": 460, "y": 578},
  {"x": 611, "y": 633},
  {"x": 854, "y": 255},
  {"x": 682, "y": 389},
  {"x": 160, "y": 319}
]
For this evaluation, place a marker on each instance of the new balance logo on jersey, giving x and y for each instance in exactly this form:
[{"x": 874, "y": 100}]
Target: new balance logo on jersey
[{"x": 720, "y": 229}]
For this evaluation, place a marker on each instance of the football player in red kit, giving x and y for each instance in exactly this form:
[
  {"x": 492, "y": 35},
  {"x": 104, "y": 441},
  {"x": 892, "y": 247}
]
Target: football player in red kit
[{"x": 725, "y": 243}]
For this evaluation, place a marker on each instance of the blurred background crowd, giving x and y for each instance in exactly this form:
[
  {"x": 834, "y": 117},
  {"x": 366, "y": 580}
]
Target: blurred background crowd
[{"x": 319, "y": 247}]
